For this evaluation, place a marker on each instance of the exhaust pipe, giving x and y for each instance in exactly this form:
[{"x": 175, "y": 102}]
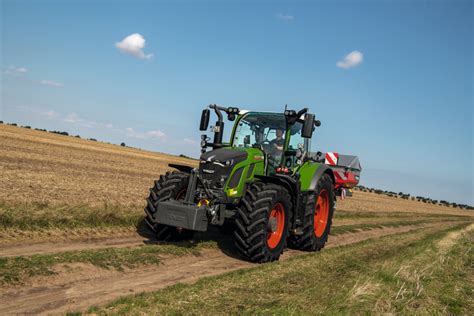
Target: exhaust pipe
[{"x": 219, "y": 127}]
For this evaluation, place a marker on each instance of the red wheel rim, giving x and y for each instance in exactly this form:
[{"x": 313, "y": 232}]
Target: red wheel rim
[
  {"x": 278, "y": 214},
  {"x": 321, "y": 213}
]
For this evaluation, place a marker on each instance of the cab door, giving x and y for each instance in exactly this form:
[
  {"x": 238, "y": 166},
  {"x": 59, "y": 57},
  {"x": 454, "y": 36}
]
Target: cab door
[{"x": 296, "y": 142}]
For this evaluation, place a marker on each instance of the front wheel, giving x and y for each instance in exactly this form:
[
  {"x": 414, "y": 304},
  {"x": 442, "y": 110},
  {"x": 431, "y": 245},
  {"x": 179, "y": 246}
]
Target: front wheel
[
  {"x": 173, "y": 185},
  {"x": 261, "y": 227},
  {"x": 319, "y": 210}
]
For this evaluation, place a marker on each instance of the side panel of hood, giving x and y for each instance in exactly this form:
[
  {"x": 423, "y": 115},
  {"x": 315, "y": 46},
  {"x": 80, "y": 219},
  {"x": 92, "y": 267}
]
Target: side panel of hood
[
  {"x": 224, "y": 154},
  {"x": 234, "y": 166}
]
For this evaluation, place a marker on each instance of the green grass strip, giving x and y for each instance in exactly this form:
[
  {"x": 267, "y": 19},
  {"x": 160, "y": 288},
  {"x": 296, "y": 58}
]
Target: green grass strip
[
  {"x": 37, "y": 216},
  {"x": 342, "y": 229},
  {"x": 353, "y": 279},
  {"x": 16, "y": 270},
  {"x": 42, "y": 216},
  {"x": 342, "y": 214}
]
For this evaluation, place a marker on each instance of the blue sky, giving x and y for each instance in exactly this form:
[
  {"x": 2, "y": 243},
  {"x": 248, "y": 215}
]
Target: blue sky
[{"x": 403, "y": 102}]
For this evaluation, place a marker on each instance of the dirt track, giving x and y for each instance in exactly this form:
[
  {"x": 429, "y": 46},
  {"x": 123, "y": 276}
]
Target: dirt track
[
  {"x": 80, "y": 286},
  {"x": 130, "y": 239},
  {"x": 22, "y": 249}
]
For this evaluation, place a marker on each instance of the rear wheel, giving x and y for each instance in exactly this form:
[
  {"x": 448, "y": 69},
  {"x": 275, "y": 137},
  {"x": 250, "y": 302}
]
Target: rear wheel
[
  {"x": 261, "y": 227},
  {"x": 319, "y": 210},
  {"x": 173, "y": 185}
]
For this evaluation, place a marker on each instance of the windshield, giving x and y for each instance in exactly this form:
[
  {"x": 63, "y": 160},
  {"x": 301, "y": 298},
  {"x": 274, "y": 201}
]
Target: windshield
[
  {"x": 297, "y": 140},
  {"x": 256, "y": 129},
  {"x": 265, "y": 131}
]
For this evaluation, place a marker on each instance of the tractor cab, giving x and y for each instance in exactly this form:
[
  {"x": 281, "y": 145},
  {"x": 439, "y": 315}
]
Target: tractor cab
[
  {"x": 283, "y": 138},
  {"x": 270, "y": 132}
]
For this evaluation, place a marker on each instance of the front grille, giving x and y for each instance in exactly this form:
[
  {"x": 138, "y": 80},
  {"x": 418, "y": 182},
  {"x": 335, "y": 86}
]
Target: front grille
[{"x": 212, "y": 174}]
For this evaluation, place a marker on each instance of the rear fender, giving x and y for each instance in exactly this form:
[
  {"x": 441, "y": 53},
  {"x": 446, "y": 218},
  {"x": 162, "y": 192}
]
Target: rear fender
[
  {"x": 311, "y": 173},
  {"x": 323, "y": 169}
]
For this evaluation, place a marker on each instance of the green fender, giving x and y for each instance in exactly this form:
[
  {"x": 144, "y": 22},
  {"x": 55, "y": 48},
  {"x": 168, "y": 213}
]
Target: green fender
[{"x": 311, "y": 172}]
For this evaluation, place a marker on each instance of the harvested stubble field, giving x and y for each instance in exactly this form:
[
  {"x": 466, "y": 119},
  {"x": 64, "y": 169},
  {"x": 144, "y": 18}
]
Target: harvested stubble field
[
  {"x": 71, "y": 237},
  {"x": 46, "y": 168}
]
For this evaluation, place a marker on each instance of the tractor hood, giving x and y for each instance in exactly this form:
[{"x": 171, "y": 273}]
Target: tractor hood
[
  {"x": 223, "y": 168},
  {"x": 225, "y": 155},
  {"x": 217, "y": 165}
]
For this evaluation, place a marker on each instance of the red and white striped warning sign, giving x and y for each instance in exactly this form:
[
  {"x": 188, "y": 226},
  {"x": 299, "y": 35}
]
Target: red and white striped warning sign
[
  {"x": 340, "y": 175},
  {"x": 331, "y": 158}
]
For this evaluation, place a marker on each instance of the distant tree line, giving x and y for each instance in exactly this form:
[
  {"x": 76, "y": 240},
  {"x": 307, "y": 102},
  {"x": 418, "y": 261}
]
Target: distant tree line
[
  {"x": 407, "y": 196},
  {"x": 54, "y": 132},
  {"x": 187, "y": 157}
]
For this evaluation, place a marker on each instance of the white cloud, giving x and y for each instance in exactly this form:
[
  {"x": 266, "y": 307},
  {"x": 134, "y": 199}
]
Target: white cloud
[
  {"x": 285, "y": 17},
  {"x": 190, "y": 141},
  {"x": 15, "y": 71},
  {"x": 72, "y": 118},
  {"x": 50, "y": 114},
  {"x": 51, "y": 83},
  {"x": 24, "y": 108},
  {"x": 133, "y": 45},
  {"x": 47, "y": 114},
  {"x": 21, "y": 73},
  {"x": 155, "y": 134},
  {"x": 352, "y": 59}
]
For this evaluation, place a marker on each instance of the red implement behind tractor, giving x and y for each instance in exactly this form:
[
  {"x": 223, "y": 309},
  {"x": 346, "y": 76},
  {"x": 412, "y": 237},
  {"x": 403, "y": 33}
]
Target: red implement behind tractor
[{"x": 346, "y": 170}]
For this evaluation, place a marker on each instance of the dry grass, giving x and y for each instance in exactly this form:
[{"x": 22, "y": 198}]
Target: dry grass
[
  {"x": 49, "y": 168},
  {"x": 20, "y": 236},
  {"x": 55, "y": 186},
  {"x": 60, "y": 170},
  {"x": 20, "y": 269},
  {"x": 363, "y": 278},
  {"x": 371, "y": 202}
]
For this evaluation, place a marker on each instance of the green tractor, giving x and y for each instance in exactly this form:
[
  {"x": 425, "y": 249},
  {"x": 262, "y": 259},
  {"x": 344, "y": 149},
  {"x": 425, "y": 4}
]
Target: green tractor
[{"x": 264, "y": 180}]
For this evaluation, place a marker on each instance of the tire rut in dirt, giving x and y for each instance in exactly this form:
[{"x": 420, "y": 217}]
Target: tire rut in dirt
[
  {"x": 50, "y": 247},
  {"x": 48, "y": 297},
  {"x": 254, "y": 234}
]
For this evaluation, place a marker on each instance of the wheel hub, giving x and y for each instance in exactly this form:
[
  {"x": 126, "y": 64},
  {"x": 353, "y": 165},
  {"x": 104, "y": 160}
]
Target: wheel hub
[
  {"x": 272, "y": 224},
  {"x": 276, "y": 225},
  {"x": 321, "y": 213}
]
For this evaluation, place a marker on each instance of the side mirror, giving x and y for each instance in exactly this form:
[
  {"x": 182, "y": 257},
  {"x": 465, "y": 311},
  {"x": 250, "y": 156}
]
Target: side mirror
[
  {"x": 307, "y": 130},
  {"x": 206, "y": 113}
]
